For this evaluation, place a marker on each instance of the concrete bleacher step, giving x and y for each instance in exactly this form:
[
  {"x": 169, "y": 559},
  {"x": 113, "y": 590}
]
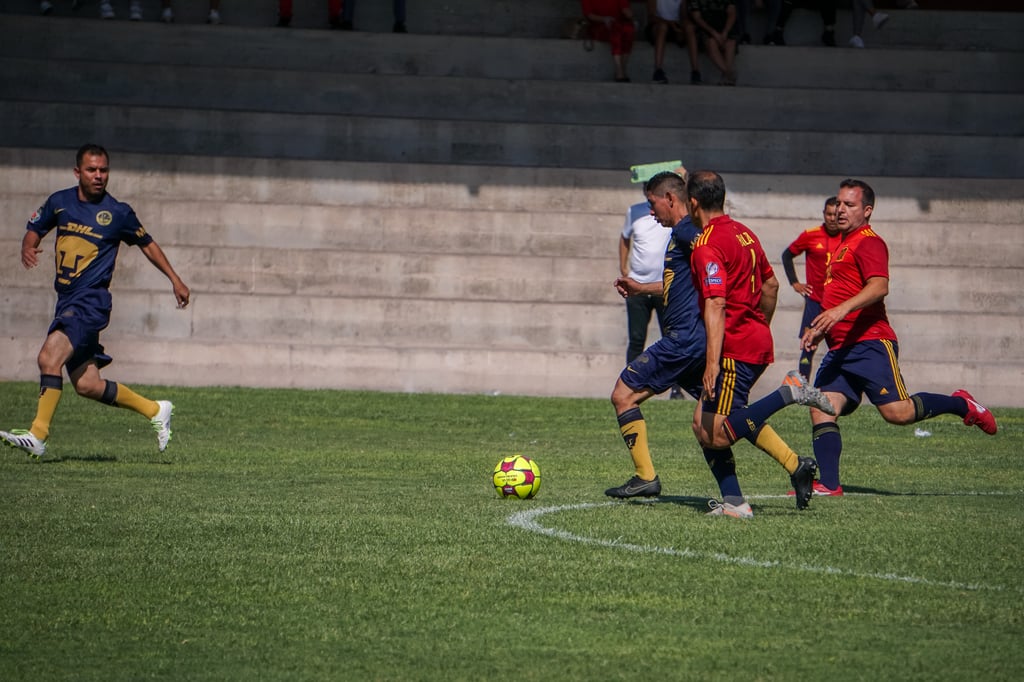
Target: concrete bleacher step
[
  {"x": 950, "y": 30},
  {"x": 402, "y": 140},
  {"x": 321, "y": 52},
  {"x": 504, "y": 101}
]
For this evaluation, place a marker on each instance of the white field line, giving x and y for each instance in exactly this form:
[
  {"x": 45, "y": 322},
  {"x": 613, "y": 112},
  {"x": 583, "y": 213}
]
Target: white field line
[{"x": 528, "y": 520}]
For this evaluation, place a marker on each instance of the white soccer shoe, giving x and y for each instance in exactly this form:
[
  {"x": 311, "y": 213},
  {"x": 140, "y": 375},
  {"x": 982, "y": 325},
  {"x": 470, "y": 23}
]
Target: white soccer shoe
[
  {"x": 162, "y": 423},
  {"x": 24, "y": 440},
  {"x": 736, "y": 511}
]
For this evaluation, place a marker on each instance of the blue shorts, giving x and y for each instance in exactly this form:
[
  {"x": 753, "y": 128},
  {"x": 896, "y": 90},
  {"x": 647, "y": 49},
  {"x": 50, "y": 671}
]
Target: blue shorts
[
  {"x": 663, "y": 365},
  {"x": 866, "y": 368},
  {"x": 812, "y": 309},
  {"x": 732, "y": 389},
  {"x": 82, "y": 317}
]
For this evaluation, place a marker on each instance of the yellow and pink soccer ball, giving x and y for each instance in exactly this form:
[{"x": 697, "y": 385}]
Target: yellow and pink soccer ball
[{"x": 517, "y": 476}]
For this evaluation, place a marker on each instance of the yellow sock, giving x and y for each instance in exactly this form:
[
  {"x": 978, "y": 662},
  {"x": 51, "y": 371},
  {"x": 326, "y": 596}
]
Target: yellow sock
[
  {"x": 50, "y": 390},
  {"x": 770, "y": 442},
  {"x": 635, "y": 435},
  {"x": 128, "y": 398}
]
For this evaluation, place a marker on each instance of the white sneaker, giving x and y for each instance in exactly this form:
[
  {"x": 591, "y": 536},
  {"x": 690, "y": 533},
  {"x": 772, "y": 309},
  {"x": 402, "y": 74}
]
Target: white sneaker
[
  {"x": 857, "y": 41},
  {"x": 24, "y": 440},
  {"x": 162, "y": 423},
  {"x": 214, "y": 17},
  {"x": 136, "y": 12},
  {"x": 167, "y": 16},
  {"x": 106, "y": 11},
  {"x": 737, "y": 511},
  {"x": 45, "y": 7},
  {"x": 879, "y": 19}
]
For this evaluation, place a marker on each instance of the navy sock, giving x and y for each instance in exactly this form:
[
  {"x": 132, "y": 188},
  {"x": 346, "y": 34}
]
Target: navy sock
[
  {"x": 805, "y": 364},
  {"x": 928, "y": 405},
  {"x": 741, "y": 423},
  {"x": 828, "y": 446},
  {"x": 723, "y": 468}
]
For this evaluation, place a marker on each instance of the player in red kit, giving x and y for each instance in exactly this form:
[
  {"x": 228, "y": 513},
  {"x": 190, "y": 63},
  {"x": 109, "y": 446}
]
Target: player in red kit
[
  {"x": 737, "y": 292},
  {"x": 863, "y": 348},
  {"x": 817, "y": 243}
]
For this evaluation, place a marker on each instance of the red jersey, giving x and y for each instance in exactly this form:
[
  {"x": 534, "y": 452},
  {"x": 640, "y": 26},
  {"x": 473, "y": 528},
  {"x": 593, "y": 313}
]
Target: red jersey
[
  {"x": 604, "y": 8},
  {"x": 728, "y": 261},
  {"x": 819, "y": 247},
  {"x": 860, "y": 255}
]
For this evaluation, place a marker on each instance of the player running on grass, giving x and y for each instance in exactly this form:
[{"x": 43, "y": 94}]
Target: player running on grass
[
  {"x": 863, "y": 349},
  {"x": 91, "y": 225},
  {"x": 679, "y": 357}
]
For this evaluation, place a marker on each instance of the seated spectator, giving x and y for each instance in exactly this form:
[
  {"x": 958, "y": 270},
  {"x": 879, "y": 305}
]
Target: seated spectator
[
  {"x": 167, "y": 16},
  {"x": 666, "y": 16},
  {"x": 397, "y": 9},
  {"x": 716, "y": 20},
  {"x": 611, "y": 21},
  {"x": 284, "y": 13}
]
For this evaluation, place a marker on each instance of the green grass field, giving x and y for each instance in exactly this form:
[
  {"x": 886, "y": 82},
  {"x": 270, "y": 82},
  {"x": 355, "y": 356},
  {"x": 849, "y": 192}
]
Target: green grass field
[{"x": 325, "y": 535}]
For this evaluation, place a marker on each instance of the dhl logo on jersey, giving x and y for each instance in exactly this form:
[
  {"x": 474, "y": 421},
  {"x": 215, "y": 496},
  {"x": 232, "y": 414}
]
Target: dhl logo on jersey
[{"x": 76, "y": 228}]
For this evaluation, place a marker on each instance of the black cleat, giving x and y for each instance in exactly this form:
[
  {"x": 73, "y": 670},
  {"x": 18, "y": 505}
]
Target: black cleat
[
  {"x": 803, "y": 481},
  {"x": 638, "y": 487}
]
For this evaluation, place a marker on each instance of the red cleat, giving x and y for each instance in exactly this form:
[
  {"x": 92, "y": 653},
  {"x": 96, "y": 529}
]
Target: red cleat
[
  {"x": 822, "y": 491},
  {"x": 976, "y": 414}
]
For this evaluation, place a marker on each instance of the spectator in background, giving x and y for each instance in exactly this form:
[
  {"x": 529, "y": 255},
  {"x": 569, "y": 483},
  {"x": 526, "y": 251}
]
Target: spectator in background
[
  {"x": 672, "y": 15},
  {"x": 861, "y": 9},
  {"x": 642, "y": 258},
  {"x": 397, "y": 8},
  {"x": 167, "y": 15},
  {"x": 284, "y": 13},
  {"x": 611, "y": 21},
  {"x": 716, "y": 19}
]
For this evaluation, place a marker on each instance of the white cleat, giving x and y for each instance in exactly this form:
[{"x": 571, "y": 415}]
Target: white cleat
[
  {"x": 737, "y": 511},
  {"x": 162, "y": 423},
  {"x": 24, "y": 440},
  {"x": 805, "y": 394}
]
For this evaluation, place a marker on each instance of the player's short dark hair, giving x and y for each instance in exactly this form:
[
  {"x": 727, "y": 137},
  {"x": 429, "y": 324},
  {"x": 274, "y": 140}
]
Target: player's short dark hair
[
  {"x": 831, "y": 201},
  {"x": 666, "y": 181},
  {"x": 708, "y": 188},
  {"x": 867, "y": 193},
  {"x": 90, "y": 149}
]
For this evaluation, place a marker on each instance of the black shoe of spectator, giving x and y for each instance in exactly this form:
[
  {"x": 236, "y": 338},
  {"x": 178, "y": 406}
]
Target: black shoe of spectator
[
  {"x": 659, "y": 76},
  {"x": 695, "y": 78},
  {"x": 829, "y": 38},
  {"x": 399, "y": 27}
]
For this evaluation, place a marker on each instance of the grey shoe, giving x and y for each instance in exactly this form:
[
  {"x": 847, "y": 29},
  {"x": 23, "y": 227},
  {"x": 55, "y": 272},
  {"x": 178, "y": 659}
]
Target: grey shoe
[{"x": 803, "y": 393}]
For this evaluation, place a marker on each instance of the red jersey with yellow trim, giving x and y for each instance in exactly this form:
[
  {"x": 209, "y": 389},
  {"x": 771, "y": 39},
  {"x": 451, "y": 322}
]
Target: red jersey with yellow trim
[
  {"x": 861, "y": 255},
  {"x": 819, "y": 246},
  {"x": 728, "y": 262}
]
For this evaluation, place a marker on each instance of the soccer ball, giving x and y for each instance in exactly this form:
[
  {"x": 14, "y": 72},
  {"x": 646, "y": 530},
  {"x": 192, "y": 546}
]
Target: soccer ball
[{"x": 517, "y": 476}]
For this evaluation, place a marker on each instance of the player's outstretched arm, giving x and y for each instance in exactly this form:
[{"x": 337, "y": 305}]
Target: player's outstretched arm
[
  {"x": 157, "y": 257},
  {"x": 30, "y": 249}
]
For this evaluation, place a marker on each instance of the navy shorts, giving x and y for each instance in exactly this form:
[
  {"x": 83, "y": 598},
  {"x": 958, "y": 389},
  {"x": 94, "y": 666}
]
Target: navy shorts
[
  {"x": 868, "y": 368},
  {"x": 812, "y": 309},
  {"x": 732, "y": 389},
  {"x": 663, "y": 365},
  {"x": 82, "y": 318}
]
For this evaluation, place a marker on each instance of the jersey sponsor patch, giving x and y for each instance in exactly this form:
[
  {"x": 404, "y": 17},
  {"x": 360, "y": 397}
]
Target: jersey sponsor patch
[{"x": 711, "y": 271}]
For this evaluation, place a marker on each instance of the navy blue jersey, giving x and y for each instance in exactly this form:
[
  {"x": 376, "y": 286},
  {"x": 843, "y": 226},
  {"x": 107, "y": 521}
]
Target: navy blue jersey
[
  {"x": 88, "y": 237},
  {"x": 681, "y": 319}
]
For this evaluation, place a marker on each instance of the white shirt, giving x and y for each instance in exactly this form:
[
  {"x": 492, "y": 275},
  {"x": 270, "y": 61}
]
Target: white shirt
[{"x": 649, "y": 241}]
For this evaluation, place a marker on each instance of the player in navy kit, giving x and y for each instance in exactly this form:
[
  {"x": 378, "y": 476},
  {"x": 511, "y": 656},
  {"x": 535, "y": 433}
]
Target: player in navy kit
[
  {"x": 91, "y": 225},
  {"x": 678, "y": 356}
]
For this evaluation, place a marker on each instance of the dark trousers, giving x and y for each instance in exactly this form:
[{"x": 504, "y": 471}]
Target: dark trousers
[{"x": 638, "y": 316}]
